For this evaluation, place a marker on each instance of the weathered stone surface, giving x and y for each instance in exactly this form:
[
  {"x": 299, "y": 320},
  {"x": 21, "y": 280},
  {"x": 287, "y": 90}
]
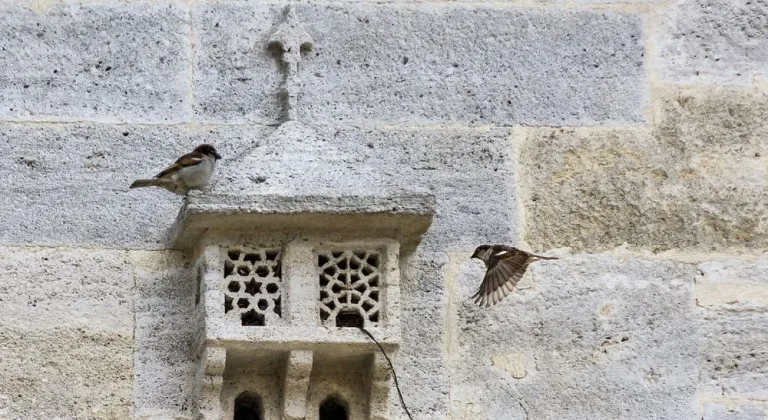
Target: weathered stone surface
[
  {"x": 56, "y": 307},
  {"x": 168, "y": 334},
  {"x": 696, "y": 181},
  {"x": 74, "y": 190},
  {"x": 736, "y": 285},
  {"x": 425, "y": 387},
  {"x": 735, "y": 411},
  {"x": 733, "y": 355},
  {"x": 712, "y": 41},
  {"x": 421, "y": 64},
  {"x": 423, "y": 304},
  {"x": 600, "y": 339},
  {"x": 732, "y": 324},
  {"x": 469, "y": 171},
  {"x": 236, "y": 78},
  {"x": 102, "y": 62}
]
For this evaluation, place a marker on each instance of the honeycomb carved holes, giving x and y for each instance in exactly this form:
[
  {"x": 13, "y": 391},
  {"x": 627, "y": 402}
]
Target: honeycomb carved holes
[
  {"x": 253, "y": 285},
  {"x": 349, "y": 288}
]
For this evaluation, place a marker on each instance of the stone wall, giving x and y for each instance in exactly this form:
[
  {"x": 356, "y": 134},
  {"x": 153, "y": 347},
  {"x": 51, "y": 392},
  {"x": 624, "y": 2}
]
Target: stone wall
[{"x": 627, "y": 138}]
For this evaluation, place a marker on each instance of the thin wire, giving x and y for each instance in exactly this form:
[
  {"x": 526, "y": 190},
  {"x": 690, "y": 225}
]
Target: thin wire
[{"x": 394, "y": 375}]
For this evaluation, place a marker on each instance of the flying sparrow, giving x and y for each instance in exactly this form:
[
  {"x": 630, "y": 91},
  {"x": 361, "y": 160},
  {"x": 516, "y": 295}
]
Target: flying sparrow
[
  {"x": 192, "y": 171},
  {"x": 505, "y": 267}
]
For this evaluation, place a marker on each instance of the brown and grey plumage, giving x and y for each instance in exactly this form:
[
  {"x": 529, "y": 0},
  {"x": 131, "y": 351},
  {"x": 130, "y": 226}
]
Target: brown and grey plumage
[
  {"x": 189, "y": 172},
  {"x": 505, "y": 267}
]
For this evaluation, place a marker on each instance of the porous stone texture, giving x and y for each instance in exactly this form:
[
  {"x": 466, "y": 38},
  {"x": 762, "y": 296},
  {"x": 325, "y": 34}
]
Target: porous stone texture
[
  {"x": 695, "y": 181},
  {"x": 66, "y": 333},
  {"x": 733, "y": 285},
  {"x": 712, "y": 41},
  {"x": 168, "y": 335},
  {"x": 99, "y": 62},
  {"x": 734, "y": 360},
  {"x": 732, "y": 322},
  {"x": 236, "y": 76},
  {"x": 74, "y": 191},
  {"x": 421, "y": 364},
  {"x": 591, "y": 324},
  {"x": 564, "y": 127},
  {"x": 730, "y": 411},
  {"x": 468, "y": 170},
  {"x": 449, "y": 64}
]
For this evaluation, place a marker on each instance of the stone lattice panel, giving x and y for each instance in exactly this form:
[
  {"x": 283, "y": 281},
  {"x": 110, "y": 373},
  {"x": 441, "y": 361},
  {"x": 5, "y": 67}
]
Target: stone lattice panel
[
  {"x": 349, "y": 287},
  {"x": 253, "y": 285}
]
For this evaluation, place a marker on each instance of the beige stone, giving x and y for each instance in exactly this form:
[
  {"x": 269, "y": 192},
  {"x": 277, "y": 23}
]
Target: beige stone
[
  {"x": 734, "y": 284},
  {"x": 697, "y": 180},
  {"x": 66, "y": 333},
  {"x": 512, "y": 363}
]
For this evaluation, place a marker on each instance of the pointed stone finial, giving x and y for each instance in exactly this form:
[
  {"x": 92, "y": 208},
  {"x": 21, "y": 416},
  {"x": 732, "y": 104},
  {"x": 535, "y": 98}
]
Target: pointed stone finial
[{"x": 289, "y": 40}]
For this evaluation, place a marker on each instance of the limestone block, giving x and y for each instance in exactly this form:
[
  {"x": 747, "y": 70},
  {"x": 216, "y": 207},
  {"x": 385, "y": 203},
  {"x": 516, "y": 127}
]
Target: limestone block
[
  {"x": 512, "y": 363},
  {"x": 732, "y": 353},
  {"x": 472, "y": 65},
  {"x": 66, "y": 333},
  {"x": 297, "y": 370},
  {"x": 100, "y": 62},
  {"x": 168, "y": 334},
  {"x": 735, "y": 411},
  {"x": 68, "y": 183},
  {"x": 598, "y": 338},
  {"x": 236, "y": 77},
  {"x": 712, "y": 41},
  {"x": 398, "y": 63},
  {"x": 734, "y": 284},
  {"x": 425, "y": 385},
  {"x": 696, "y": 181},
  {"x": 423, "y": 306},
  {"x": 470, "y": 171}
]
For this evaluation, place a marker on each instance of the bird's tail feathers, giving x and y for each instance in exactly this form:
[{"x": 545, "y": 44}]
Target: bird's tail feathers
[
  {"x": 143, "y": 183},
  {"x": 541, "y": 257}
]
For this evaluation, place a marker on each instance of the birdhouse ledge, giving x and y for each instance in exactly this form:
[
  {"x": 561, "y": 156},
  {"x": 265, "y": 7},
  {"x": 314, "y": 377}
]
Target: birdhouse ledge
[{"x": 404, "y": 216}]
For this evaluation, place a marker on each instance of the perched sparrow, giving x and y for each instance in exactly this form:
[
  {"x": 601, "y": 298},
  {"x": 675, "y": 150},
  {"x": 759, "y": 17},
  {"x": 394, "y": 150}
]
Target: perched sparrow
[
  {"x": 191, "y": 172},
  {"x": 505, "y": 267}
]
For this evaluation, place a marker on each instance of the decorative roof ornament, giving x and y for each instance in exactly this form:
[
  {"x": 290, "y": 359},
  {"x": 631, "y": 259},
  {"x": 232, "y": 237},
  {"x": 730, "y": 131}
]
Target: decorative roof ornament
[{"x": 289, "y": 41}]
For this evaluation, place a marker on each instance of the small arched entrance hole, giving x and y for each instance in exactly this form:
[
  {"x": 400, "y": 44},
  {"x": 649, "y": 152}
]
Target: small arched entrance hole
[
  {"x": 248, "y": 406},
  {"x": 333, "y": 409},
  {"x": 349, "y": 318}
]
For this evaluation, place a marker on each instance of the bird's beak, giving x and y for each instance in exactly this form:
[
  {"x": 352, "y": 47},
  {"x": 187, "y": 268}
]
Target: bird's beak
[
  {"x": 474, "y": 255},
  {"x": 216, "y": 155}
]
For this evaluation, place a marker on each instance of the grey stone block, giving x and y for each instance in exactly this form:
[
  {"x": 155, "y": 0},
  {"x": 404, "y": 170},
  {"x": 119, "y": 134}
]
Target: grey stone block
[
  {"x": 236, "y": 78},
  {"x": 732, "y": 411},
  {"x": 66, "y": 328},
  {"x": 98, "y": 62},
  {"x": 168, "y": 334},
  {"x": 68, "y": 183},
  {"x": 599, "y": 339},
  {"x": 469, "y": 171},
  {"x": 421, "y": 64},
  {"x": 692, "y": 182},
  {"x": 713, "y": 41},
  {"x": 733, "y": 285},
  {"x": 425, "y": 387},
  {"x": 398, "y": 63},
  {"x": 733, "y": 356}
]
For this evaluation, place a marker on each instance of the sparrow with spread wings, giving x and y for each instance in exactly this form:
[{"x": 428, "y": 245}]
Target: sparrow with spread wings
[
  {"x": 192, "y": 171},
  {"x": 505, "y": 266}
]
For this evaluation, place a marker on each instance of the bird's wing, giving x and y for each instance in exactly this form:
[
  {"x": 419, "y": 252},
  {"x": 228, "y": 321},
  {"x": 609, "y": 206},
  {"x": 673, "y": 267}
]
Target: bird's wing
[
  {"x": 506, "y": 268},
  {"x": 190, "y": 159}
]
